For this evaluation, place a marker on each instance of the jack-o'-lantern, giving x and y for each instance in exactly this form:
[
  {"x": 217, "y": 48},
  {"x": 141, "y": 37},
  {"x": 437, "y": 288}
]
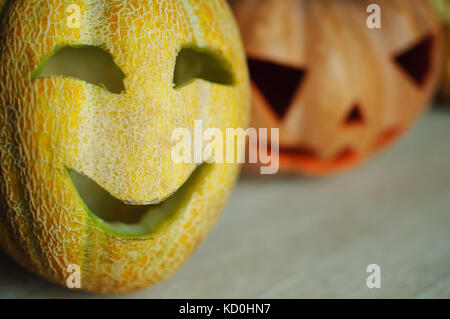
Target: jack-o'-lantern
[
  {"x": 443, "y": 9},
  {"x": 338, "y": 90},
  {"x": 86, "y": 117},
  {"x": 446, "y": 65}
]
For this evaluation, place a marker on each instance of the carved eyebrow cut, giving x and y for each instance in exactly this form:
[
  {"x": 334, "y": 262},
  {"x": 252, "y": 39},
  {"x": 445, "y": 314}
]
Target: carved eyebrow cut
[
  {"x": 83, "y": 62},
  {"x": 200, "y": 63}
]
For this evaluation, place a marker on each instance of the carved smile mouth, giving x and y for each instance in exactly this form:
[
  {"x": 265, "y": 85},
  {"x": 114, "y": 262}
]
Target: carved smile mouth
[
  {"x": 307, "y": 160},
  {"x": 120, "y": 218}
]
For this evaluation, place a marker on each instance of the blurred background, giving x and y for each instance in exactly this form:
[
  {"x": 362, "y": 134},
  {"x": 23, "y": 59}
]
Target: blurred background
[
  {"x": 364, "y": 173},
  {"x": 294, "y": 237}
]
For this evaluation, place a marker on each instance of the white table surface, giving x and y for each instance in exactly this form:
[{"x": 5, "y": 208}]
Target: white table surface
[{"x": 293, "y": 237}]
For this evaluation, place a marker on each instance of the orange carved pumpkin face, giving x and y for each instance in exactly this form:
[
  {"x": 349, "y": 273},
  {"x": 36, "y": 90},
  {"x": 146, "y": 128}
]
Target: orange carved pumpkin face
[
  {"x": 338, "y": 90},
  {"x": 446, "y": 65},
  {"x": 442, "y": 7}
]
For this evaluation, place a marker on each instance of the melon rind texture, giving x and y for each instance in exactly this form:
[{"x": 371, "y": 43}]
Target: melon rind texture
[{"x": 121, "y": 141}]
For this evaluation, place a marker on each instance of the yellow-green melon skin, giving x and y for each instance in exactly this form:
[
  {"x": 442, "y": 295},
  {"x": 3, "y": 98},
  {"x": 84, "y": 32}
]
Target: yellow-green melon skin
[{"x": 121, "y": 141}]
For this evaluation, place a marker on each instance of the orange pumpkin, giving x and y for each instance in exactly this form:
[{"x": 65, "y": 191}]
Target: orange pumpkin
[
  {"x": 443, "y": 9},
  {"x": 446, "y": 67},
  {"x": 338, "y": 90}
]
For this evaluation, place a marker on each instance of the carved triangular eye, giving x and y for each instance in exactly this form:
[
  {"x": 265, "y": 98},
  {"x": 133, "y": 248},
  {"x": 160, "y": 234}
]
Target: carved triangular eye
[
  {"x": 416, "y": 61},
  {"x": 200, "y": 63},
  {"x": 354, "y": 116},
  {"x": 278, "y": 83},
  {"x": 87, "y": 63}
]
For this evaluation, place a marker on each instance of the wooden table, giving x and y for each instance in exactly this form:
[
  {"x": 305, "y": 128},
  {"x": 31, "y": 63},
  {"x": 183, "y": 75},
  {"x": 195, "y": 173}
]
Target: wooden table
[{"x": 293, "y": 237}]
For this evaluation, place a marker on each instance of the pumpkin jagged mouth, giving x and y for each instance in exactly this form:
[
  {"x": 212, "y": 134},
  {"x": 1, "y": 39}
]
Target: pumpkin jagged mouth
[
  {"x": 308, "y": 161},
  {"x": 311, "y": 162},
  {"x": 117, "y": 217}
]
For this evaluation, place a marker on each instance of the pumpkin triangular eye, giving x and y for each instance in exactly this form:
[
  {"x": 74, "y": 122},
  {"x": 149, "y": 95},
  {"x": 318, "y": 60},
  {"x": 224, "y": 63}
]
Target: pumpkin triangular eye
[
  {"x": 277, "y": 83},
  {"x": 87, "y": 63},
  {"x": 201, "y": 63},
  {"x": 416, "y": 61},
  {"x": 354, "y": 116}
]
